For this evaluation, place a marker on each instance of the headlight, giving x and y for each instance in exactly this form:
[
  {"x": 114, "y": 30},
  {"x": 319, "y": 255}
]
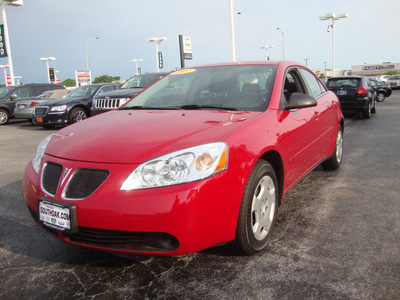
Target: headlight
[
  {"x": 183, "y": 166},
  {"x": 40, "y": 150},
  {"x": 59, "y": 108}
]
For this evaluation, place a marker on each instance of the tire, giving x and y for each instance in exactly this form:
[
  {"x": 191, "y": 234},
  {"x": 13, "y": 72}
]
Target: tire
[
  {"x": 335, "y": 160},
  {"x": 373, "y": 110},
  {"x": 258, "y": 210},
  {"x": 381, "y": 97},
  {"x": 77, "y": 114},
  {"x": 4, "y": 117},
  {"x": 367, "y": 111}
]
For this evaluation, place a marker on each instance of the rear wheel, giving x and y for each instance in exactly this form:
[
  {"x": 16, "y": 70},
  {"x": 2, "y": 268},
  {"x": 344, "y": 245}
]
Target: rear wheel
[
  {"x": 367, "y": 111},
  {"x": 373, "y": 109},
  {"x": 258, "y": 210},
  {"x": 335, "y": 160},
  {"x": 4, "y": 117}
]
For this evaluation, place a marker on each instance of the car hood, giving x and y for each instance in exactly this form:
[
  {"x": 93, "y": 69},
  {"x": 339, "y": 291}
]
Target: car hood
[
  {"x": 63, "y": 101},
  {"x": 120, "y": 93},
  {"x": 126, "y": 136}
]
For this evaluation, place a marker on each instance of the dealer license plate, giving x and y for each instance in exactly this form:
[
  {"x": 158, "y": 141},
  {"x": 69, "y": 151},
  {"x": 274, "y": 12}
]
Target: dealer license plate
[
  {"x": 341, "y": 92},
  {"x": 55, "y": 215},
  {"x": 39, "y": 120}
]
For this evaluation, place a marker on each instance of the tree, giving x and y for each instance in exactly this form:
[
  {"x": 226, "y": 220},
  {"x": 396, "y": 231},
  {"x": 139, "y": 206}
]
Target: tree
[
  {"x": 392, "y": 72},
  {"x": 106, "y": 79},
  {"x": 69, "y": 82},
  {"x": 322, "y": 75}
]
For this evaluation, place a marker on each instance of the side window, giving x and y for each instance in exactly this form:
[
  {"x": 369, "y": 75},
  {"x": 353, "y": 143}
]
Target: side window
[
  {"x": 37, "y": 90},
  {"x": 22, "y": 92},
  {"x": 107, "y": 88},
  {"x": 313, "y": 86},
  {"x": 292, "y": 84}
]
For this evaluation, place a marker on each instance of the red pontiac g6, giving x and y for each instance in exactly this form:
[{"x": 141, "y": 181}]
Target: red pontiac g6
[{"x": 202, "y": 157}]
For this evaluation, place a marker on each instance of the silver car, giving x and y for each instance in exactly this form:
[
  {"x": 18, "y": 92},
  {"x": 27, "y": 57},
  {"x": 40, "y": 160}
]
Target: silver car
[
  {"x": 24, "y": 107},
  {"x": 394, "y": 81}
]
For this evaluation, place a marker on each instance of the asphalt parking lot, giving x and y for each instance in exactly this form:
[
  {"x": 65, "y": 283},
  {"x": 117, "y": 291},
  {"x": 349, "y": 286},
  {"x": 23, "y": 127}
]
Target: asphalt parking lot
[{"x": 337, "y": 236}]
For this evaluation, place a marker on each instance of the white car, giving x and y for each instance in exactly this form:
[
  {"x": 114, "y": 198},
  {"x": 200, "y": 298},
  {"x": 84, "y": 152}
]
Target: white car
[{"x": 394, "y": 81}]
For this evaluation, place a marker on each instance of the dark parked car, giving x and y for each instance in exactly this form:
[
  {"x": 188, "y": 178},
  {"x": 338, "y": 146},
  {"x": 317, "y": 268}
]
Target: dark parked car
[
  {"x": 355, "y": 93},
  {"x": 383, "y": 89},
  {"x": 9, "y": 94},
  {"x": 115, "y": 99},
  {"x": 72, "y": 108}
]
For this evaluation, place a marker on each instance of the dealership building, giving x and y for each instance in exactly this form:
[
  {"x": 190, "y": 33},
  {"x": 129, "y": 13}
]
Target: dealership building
[{"x": 374, "y": 69}]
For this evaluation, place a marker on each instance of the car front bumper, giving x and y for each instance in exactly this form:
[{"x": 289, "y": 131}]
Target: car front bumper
[
  {"x": 52, "y": 119},
  {"x": 170, "y": 220}
]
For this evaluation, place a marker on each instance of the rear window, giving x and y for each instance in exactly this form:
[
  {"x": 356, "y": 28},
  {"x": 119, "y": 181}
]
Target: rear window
[{"x": 343, "y": 83}]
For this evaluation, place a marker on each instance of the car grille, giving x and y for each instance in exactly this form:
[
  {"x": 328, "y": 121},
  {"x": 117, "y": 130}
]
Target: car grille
[
  {"x": 82, "y": 183},
  {"x": 40, "y": 111},
  {"x": 124, "y": 240},
  {"x": 108, "y": 103}
]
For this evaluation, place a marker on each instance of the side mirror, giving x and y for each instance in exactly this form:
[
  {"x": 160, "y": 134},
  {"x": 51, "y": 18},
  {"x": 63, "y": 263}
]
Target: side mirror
[
  {"x": 13, "y": 96},
  {"x": 299, "y": 100}
]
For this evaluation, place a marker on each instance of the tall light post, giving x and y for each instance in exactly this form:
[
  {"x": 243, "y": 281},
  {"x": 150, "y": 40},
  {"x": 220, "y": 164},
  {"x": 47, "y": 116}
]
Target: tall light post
[
  {"x": 86, "y": 55},
  {"x": 6, "y": 36},
  {"x": 157, "y": 40},
  {"x": 137, "y": 61},
  {"x": 232, "y": 26},
  {"x": 283, "y": 41},
  {"x": 306, "y": 59},
  {"x": 325, "y": 62},
  {"x": 266, "y": 50},
  {"x": 47, "y": 59},
  {"x": 333, "y": 17}
]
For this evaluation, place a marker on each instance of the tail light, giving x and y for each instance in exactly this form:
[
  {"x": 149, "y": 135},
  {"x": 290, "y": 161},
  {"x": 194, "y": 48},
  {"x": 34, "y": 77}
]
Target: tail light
[
  {"x": 33, "y": 104},
  {"x": 361, "y": 91}
]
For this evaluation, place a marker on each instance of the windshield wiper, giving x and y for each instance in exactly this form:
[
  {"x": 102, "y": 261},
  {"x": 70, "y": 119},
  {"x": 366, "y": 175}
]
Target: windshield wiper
[{"x": 197, "y": 106}]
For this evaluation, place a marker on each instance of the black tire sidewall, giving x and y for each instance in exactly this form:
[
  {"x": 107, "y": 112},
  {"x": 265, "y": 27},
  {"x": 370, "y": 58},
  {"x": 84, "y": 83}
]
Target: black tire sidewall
[{"x": 73, "y": 112}]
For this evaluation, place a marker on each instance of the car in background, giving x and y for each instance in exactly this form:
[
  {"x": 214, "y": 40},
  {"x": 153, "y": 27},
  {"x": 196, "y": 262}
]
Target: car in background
[
  {"x": 384, "y": 78},
  {"x": 394, "y": 81},
  {"x": 74, "y": 107},
  {"x": 202, "y": 157},
  {"x": 383, "y": 89},
  {"x": 355, "y": 93},
  {"x": 8, "y": 96},
  {"x": 117, "y": 98},
  {"x": 24, "y": 107}
]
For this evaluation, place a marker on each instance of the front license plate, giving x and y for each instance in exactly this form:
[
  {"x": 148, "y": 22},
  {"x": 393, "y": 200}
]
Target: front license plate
[
  {"x": 57, "y": 215},
  {"x": 39, "y": 120},
  {"x": 341, "y": 92}
]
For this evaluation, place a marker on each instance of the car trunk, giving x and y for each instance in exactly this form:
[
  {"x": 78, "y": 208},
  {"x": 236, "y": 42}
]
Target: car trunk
[{"x": 345, "y": 88}]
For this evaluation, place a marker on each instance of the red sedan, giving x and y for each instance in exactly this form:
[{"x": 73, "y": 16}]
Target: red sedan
[{"x": 202, "y": 157}]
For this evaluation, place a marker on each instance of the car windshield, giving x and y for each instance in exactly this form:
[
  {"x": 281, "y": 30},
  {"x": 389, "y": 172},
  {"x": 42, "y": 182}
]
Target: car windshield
[
  {"x": 5, "y": 90},
  {"x": 343, "y": 83},
  {"x": 140, "y": 81},
  {"x": 243, "y": 87},
  {"x": 82, "y": 91}
]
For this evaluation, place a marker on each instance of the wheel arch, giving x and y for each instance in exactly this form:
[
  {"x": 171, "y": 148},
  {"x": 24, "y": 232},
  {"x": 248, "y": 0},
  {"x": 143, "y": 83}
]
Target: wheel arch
[{"x": 275, "y": 159}]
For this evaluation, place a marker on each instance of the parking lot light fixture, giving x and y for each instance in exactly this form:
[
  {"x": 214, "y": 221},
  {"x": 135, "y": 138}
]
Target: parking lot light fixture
[
  {"x": 157, "y": 40},
  {"x": 136, "y": 61},
  {"x": 47, "y": 59},
  {"x": 333, "y": 17},
  {"x": 266, "y": 50},
  {"x": 86, "y": 54},
  {"x": 283, "y": 41}
]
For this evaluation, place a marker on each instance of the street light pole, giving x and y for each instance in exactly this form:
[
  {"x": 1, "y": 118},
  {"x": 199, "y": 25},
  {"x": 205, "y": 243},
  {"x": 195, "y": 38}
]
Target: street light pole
[
  {"x": 157, "y": 41},
  {"x": 233, "y": 50},
  {"x": 283, "y": 40},
  {"x": 266, "y": 50},
  {"x": 325, "y": 62},
  {"x": 306, "y": 59},
  {"x": 137, "y": 65},
  {"x": 86, "y": 53},
  {"x": 333, "y": 17}
]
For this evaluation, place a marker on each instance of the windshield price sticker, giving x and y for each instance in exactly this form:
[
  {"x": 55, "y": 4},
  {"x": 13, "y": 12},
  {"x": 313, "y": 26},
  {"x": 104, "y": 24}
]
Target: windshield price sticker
[{"x": 54, "y": 215}]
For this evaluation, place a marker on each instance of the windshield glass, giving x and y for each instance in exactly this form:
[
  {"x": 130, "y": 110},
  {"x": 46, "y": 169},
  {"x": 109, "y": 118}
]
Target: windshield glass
[
  {"x": 141, "y": 81},
  {"x": 5, "y": 90},
  {"x": 82, "y": 91},
  {"x": 244, "y": 87}
]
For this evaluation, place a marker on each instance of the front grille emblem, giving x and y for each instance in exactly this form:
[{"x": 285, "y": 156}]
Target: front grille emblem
[{"x": 65, "y": 175}]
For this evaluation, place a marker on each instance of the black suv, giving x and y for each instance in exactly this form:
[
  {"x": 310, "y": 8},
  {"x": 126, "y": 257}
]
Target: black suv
[
  {"x": 115, "y": 99},
  {"x": 9, "y": 94},
  {"x": 383, "y": 89},
  {"x": 355, "y": 93}
]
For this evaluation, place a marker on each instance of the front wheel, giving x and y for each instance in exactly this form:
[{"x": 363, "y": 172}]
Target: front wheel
[
  {"x": 335, "y": 159},
  {"x": 381, "y": 97},
  {"x": 4, "y": 117},
  {"x": 258, "y": 210},
  {"x": 77, "y": 114}
]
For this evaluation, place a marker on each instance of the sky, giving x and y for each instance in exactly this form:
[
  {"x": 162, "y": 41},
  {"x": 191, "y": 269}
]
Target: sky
[{"x": 59, "y": 28}]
